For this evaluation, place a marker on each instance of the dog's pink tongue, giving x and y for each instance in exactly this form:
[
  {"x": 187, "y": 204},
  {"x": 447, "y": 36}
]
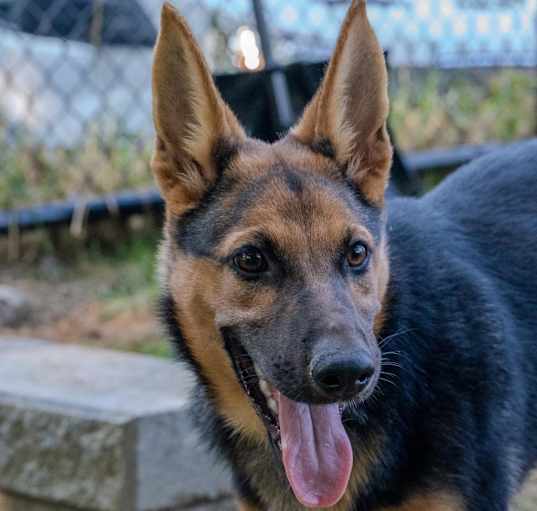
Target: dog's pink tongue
[{"x": 317, "y": 453}]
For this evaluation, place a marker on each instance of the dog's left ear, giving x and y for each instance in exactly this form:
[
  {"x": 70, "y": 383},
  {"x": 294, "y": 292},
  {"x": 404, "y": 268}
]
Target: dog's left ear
[{"x": 349, "y": 111}]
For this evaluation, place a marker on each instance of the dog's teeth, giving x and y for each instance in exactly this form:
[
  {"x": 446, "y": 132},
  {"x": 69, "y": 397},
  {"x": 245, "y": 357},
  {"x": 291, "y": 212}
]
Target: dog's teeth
[
  {"x": 272, "y": 405},
  {"x": 265, "y": 388},
  {"x": 263, "y": 385}
]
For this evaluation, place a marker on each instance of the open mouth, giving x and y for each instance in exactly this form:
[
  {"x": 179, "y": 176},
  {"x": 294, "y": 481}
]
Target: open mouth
[
  {"x": 263, "y": 397},
  {"x": 315, "y": 448}
]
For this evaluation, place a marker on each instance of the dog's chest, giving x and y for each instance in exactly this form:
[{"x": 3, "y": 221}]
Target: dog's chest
[{"x": 268, "y": 480}]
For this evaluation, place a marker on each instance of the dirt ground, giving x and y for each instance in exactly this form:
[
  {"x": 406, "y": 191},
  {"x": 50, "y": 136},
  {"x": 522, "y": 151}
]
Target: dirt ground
[
  {"x": 66, "y": 312},
  {"x": 104, "y": 301}
]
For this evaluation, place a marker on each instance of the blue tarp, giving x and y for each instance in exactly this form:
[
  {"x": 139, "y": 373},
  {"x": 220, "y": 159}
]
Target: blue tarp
[{"x": 104, "y": 22}]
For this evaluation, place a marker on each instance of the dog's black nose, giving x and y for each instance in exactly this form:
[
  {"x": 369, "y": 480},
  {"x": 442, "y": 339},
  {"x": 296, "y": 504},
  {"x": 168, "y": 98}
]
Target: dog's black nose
[{"x": 343, "y": 377}]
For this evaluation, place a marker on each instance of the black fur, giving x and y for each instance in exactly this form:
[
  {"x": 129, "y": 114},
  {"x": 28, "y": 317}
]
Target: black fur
[
  {"x": 459, "y": 412},
  {"x": 325, "y": 148},
  {"x": 167, "y": 316},
  {"x": 223, "y": 153},
  {"x": 294, "y": 182}
]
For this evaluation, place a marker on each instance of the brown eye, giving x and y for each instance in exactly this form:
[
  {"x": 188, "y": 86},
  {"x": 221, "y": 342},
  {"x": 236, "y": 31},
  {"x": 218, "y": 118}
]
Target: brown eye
[
  {"x": 250, "y": 260},
  {"x": 357, "y": 256}
]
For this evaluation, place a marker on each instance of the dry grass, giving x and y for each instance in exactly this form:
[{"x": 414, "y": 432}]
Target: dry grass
[
  {"x": 105, "y": 162},
  {"x": 435, "y": 109}
]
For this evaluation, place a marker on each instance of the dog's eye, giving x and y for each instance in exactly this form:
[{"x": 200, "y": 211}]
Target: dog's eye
[
  {"x": 250, "y": 260},
  {"x": 358, "y": 256}
]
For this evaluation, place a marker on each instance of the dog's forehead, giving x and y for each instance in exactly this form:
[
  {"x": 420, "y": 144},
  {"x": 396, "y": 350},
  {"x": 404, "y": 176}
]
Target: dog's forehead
[
  {"x": 296, "y": 209},
  {"x": 296, "y": 198},
  {"x": 255, "y": 158},
  {"x": 291, "y": 196},
  {"x": 287, "y": 183}
]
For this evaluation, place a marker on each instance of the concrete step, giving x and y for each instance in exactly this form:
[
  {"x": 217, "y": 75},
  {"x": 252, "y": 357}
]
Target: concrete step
[{"x": 100, "y": 430}]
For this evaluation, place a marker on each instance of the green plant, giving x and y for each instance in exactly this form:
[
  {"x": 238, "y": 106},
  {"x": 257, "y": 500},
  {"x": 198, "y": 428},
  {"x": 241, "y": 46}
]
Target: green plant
[{"x": 432, "y": 108}]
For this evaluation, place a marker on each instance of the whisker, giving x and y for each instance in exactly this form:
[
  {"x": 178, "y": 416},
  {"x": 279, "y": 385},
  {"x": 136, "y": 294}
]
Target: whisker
[
  {"x": 399, "y": 354},
  {"x": 388, "y": 376},
  {"x": 385, "y": 380},
  {"x": 385, "y": 353},
  {"x": 386, "y": 363},
  {"x": 383, "y": 342}
]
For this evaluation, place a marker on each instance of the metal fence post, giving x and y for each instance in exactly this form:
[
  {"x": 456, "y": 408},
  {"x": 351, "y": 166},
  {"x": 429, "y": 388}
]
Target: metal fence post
[
  {"x": 280, "y": 89},
  {"x": 535, "y": 67}
]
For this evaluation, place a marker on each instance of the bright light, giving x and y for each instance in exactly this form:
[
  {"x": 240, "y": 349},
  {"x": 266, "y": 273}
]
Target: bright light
[{"x": 248, "y": 48}]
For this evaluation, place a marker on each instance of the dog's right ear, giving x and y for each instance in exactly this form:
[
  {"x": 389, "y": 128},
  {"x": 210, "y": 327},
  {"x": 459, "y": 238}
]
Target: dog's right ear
[{"x": 194, "y": 127}]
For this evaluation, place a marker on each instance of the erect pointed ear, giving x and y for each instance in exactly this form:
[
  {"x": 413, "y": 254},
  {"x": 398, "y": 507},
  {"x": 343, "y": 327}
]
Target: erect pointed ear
[
  {"x": 349, "y": 111},
  {"x": 194, "y": 126}
]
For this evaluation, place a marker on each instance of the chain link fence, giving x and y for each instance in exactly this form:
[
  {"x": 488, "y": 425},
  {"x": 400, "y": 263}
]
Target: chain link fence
[
  {"x": 462, "y": 71},
  {"x": 75, "y": 117}
]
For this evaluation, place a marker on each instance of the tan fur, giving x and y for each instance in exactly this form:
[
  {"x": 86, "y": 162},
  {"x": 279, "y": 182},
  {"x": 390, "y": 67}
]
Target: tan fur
[
  {"x": 428, "y": 502},
  {"x": 274, "y": 499},
  {"x": 351, "y": 107},
  {"x": 189, "y": 114},
  {"x": 382, "y": 271},
  {"x": 441, "y": 501},
  {"x": 364, "y": 460},
  {"x": 194, "y": 283},
  {"x": 244, "y": 506}
]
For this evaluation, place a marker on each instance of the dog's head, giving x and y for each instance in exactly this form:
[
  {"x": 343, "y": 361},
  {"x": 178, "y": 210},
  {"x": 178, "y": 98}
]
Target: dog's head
[{"x": 275, "y": 259}]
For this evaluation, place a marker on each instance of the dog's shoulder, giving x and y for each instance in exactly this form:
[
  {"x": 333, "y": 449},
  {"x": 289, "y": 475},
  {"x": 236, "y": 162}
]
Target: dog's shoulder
[
  {"x": 502, "y": 179},
  {"x": 485, "y": 209},
  {"x": 463, "y": 283}
]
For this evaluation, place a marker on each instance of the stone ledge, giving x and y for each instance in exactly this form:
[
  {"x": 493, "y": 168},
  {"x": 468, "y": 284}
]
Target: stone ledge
[
  {"x": 10, "y": 502},
  {"x": 99, "y": 430}
]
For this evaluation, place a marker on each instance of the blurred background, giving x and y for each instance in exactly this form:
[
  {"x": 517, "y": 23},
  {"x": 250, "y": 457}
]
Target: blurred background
[{"x": 79, "y": 217}]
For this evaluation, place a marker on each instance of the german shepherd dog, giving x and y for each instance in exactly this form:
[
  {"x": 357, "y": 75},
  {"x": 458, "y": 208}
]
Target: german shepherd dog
[{"x": 352, "y": 353}]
